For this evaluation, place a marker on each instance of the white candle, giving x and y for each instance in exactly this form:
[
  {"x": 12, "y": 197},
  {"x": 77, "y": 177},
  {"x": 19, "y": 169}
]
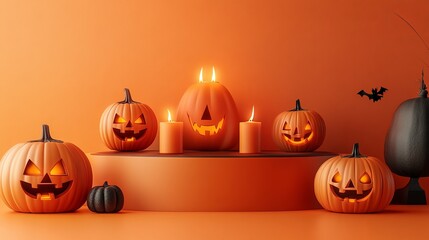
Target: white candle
[
  {"x": 250, "y": 135},
  {"x": 171, "y": 136}
]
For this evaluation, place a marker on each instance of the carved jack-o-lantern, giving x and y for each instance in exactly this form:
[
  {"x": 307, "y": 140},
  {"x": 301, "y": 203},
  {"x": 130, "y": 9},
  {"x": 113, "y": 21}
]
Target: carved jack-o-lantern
[
  {"x": 210, "y": 117},
  {"x": 128, "y": 125},
  {"x": 298, "y": 130},
  {"x": 354, "y": 184},
  {"x": 45, "y": 175}
]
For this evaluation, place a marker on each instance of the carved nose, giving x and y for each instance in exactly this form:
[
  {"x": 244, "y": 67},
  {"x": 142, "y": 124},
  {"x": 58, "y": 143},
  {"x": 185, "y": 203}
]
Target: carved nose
[
  {"x": 129, "y": 124},
  {"x": 350, "y": 184},
  {"x": 206, "y": 114},
  {"x": 46, "y": 179},
  {"x": 296, "y": 131}
]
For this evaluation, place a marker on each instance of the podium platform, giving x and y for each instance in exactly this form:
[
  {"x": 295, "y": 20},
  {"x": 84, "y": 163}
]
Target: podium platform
[{"x": 211, "y": 181}]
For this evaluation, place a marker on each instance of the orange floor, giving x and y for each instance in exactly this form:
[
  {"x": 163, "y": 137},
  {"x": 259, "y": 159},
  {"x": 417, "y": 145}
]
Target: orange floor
[{"x": 397, "y": 222}]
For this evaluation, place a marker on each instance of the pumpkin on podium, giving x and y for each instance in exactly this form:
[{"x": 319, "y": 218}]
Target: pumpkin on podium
[
  {"x": 298, "y": 130},
  {"x": 209, "y": 116}
]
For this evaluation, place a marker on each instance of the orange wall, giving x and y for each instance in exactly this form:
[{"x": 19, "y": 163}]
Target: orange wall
[{"x": 63, "y": 62}]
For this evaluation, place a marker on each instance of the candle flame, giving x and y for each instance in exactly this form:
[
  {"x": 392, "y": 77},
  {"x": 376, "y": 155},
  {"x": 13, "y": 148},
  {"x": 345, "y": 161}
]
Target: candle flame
[
  {"x": 213, "y": 75},
  {"x": 201, "y": 75},
  {"x": 169, "y": 115},
  {"x": 253, "y": 114}
]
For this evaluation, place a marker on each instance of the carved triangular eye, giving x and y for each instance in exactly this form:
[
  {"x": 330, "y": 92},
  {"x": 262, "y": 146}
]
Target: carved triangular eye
[
  {"x": 206, "y": 114},
  {"x": 365, "y": 178},
  {"x": 119, "y": 119},
  {"x": 308, "y": 126},
  {"x": 337, "y": 178},
  {"x": 58, "y": 169},
  {"x": 286, "y": 126},
  {"x": 140, "y": 120},
  {"x": 32, "y": 169}
]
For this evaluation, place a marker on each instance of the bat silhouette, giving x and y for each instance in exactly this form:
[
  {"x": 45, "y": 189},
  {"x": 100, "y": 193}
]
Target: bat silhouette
[{"x": 375, "y": 94}]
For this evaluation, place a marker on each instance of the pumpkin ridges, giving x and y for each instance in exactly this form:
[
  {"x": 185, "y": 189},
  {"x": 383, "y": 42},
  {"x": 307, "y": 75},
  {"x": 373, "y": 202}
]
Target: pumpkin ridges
[
  {"x": 150, "y": 135},
  {"x": 24, "y": 205},
  {"x": 128, "y": 112},
  {"x": 44, "y": 155},
  {"x": 98, "y": 200},
  {"x": 83, "y": 189},
  {"x": 217, "y": 98},
  {"x": 105, "y": 199},
  {"x": 298, "y": 119},
  {"x": 352, "y": 168},
  {"x": 8, "y": 197}
]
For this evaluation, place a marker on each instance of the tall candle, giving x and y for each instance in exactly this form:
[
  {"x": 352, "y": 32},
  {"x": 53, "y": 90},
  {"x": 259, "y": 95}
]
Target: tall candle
[
  {"x": 171, "y": 136},
  {"x": 250, "y": 135}
]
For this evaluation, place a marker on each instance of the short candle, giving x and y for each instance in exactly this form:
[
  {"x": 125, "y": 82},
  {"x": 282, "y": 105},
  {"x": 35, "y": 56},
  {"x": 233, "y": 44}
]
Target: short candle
[
  {"x": 250, "y": 135},
  {"x": 170, "y": 136}
]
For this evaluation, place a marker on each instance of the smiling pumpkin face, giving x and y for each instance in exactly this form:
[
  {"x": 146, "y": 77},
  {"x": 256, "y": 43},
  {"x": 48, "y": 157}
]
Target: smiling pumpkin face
[
  {"x": 210, "y": 117},
  {"x": 128, "y": 125},
  {"x": 298, "y": 130},
  {"x": 351, "y": 187},
  {"x": 354, "y": 184},
  {"x": 45, "y": 176},
  {"x": 50, "y": 186}
]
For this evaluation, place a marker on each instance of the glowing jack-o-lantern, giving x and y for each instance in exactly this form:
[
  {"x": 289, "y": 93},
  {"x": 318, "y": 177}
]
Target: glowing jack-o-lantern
[
  {"x": 210, "y": 116},
  {"x": 45, "y": 175},
  {"x": 128, "y": 125},
  {"x": 298, "y": 130},
  {"x": 354, "y": 184}
]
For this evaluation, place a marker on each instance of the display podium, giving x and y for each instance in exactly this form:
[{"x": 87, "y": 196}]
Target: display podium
[{"x": 211, "y": 181}]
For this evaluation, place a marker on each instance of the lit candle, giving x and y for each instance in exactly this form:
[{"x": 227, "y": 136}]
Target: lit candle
[
  {"x": 170, "y": 136},
  {"x": 250, "y": 135}
]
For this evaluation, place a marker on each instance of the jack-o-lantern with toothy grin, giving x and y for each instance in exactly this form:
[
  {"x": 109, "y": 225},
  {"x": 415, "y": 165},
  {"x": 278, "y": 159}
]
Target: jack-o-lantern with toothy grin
[
  {"x": 210, "y": 116},
  {"x": 128, "y": 125},
  {"x": 298, "y": 130}
]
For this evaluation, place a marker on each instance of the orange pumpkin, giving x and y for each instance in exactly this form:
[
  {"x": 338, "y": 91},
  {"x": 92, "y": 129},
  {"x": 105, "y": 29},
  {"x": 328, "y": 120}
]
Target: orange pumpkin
[
  {"x": 210, "y": 117},
  {"x": 354, "y": 184},
  {"x": 45, "y": 176},
  {"x": 298, "y": 130},
  {"x": 128, "y": 125}
]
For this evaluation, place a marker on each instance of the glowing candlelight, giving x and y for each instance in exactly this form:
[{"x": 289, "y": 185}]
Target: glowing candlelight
[
  {"x": 250, "y": 135},
  {"x": 213, "y": 75},
  {"x": 170, "y": 136}
]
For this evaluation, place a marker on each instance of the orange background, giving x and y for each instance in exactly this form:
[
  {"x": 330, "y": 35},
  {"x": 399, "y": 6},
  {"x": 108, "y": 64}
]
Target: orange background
[{"x": 63, "y": 62}]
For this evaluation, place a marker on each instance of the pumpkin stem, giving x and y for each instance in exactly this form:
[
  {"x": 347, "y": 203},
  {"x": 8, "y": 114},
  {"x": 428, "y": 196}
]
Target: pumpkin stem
[
  {"x": 105, "y": 184},
  {"x": 46, "y": 135},
  {"x": 128, "y": 98},
  {"x": 355, "y": 152},
  {"x": 298, "y": 106},
  {"x": 423, "y": 91}
]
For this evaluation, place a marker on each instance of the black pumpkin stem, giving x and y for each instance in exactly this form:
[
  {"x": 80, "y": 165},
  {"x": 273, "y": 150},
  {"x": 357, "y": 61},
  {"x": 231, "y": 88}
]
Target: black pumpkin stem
[
  {"x": 46, "y": 135},
  {"x": 423, "y": 91},
  {"x": 128, "y": 98},
  {"x": 105, "y": 184},
  {"x": 355, "y": 152},
  {"x": 298, "y": 106}
]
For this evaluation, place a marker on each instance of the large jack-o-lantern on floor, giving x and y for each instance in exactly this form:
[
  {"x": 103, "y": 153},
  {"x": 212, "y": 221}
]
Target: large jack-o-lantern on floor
[
  {"x": 45, "y": 176},
  {"x": 354, "y": 183},
  {"x": 209, "y": 116}
]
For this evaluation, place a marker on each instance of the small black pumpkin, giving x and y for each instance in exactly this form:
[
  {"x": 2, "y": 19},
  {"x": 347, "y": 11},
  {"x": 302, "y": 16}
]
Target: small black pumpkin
[
  {"x": 105, "y": 199},
  {"x": 406, "y": 147}
]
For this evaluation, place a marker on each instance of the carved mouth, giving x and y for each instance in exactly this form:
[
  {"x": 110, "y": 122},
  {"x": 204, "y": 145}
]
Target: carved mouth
[
  {"x": 45, "y": 191},
  {"x": 296, "y": 139},
  {"x": 350, "y": 195},
  {"x": 129, "y": 135},
  {"x": 206, "y": 130}
]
